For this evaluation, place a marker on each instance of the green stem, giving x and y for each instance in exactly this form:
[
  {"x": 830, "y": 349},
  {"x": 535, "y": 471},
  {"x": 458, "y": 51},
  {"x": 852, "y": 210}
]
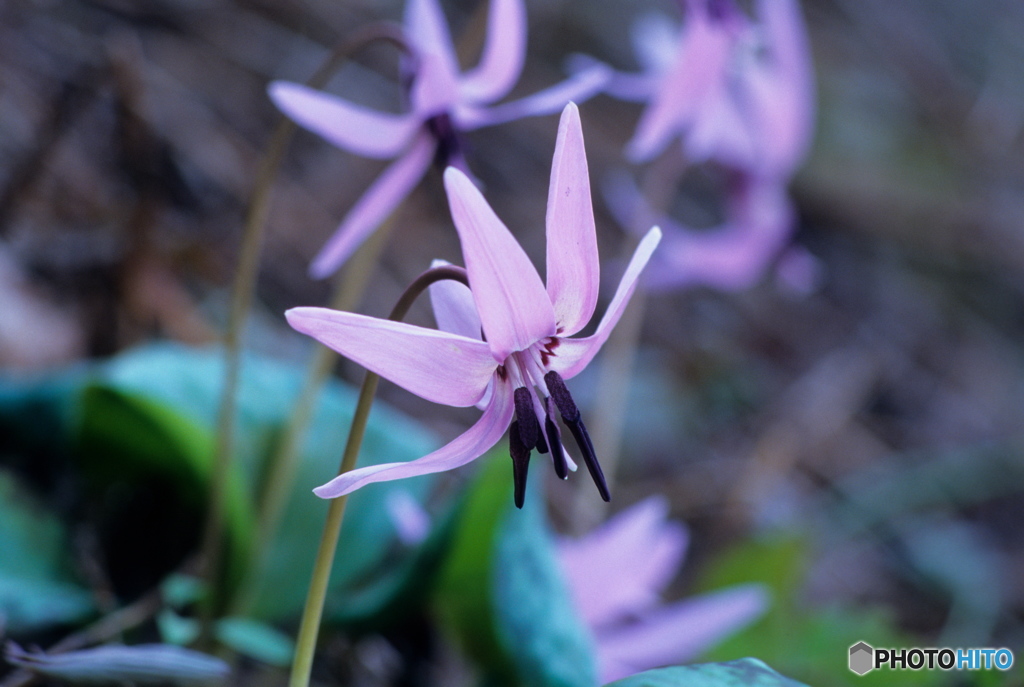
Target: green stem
[
  {"x": 309, "y": 628},
  {"x": 242, "y": 291},
  {"x": 280, "y": 471}
]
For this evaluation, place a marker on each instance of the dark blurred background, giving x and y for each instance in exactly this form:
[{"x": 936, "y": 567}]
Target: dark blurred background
[{"x": 880, "y": 417}]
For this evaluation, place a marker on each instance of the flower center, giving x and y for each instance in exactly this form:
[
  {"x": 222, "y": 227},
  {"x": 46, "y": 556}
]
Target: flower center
[
  {"x": 449, "y": 143},
  {"x": 539, "y": 391}
]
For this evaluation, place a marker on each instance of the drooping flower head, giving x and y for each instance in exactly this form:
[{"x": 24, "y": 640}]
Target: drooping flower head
[
  {"x": 616, "y": 574},
  {"x": 737, "y": 91},
  {"x": 443, "y": 103},
  {"x": 506, "y": 342}
]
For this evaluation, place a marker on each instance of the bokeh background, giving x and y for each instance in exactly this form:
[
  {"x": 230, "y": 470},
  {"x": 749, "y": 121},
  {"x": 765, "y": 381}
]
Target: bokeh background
[{"x": 859, "y": 447}]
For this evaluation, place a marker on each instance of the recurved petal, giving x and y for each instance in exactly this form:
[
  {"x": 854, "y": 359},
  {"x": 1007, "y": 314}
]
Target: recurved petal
[
  {"x": 574, "y": 354},
  {"x": 514, "y": 307},
  {"x": 573, "y": 268},
  {"x": 464, "y": 448},
  {"x": 454, "y": 309},
  {"x": 701, "y": 67},
  {"x": 374, "y": 206},
  {"x": 785, "y": 92},
  {"x": 502, "y": 58},
  {"x": 438, "y": 366},
  {"x": 356, "y": 129},
  {"x": 427, "y": 28},
  {"x": 577, "y": 88},
  {"x": 677, "y": 633}
]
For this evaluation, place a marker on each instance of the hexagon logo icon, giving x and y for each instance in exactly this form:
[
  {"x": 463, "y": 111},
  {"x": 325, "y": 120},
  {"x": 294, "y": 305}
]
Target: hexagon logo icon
[{"x": 861, "y": 658}]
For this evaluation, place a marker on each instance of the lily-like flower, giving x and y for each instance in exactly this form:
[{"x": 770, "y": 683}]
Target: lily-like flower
[
  {"x": 616, "y": 574},
  {"x": 738, "y": 91},
  {"x": 444, "y": 103},
  {"x": 508, "y": 344}
]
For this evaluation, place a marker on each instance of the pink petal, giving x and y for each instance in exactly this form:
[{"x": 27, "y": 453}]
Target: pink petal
[
  {"x": 464, "y": 448},
  {"x": 438, "y": 366},
  {"x": 785, "y": 94},
  {"x": 577, "y": 88},
  {"x": 677, "y": 633},
  {"x": 374, "y": 206},
  {"x": 514, "y": 307},
  {"x": 734, "y": 256},
  {"x": 503, "y": 55},
  {"x": 411, "y": 521},
  {"x": 436, "y": 88},
  {"x": 351, "y": 127},
  {"x": 574, "y": 354},
  {"x": 426, "y": 26},
  {"x": 620, "y": 568},
  {"x": 573, "y": 268},
  {"x": 700, "y": 67},
  {"x": 454, "y": 309}
]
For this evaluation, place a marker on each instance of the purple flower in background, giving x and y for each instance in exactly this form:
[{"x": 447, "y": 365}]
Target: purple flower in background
[
  {"x": 444, "y": 102},
  {"x": 616, "y": 574},
  {"x": 517, "y": 369},
  {"x": 730, "y": 257},
  {"x": 736, "y": 91},
  {"x": 739, "y": 93}
]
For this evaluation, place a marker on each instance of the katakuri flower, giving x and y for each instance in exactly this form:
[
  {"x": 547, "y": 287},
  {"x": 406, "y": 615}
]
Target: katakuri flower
[
  {"x": 737, "y": 91},
  {"x": 616, "y": 574},
  {"x": 444, "y": 102},
  {"x": 504, "y": 344}
]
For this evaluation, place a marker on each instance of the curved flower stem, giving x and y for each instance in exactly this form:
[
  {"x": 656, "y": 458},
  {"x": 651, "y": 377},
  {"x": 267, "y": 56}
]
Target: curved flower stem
[
  {"x": 242, "y": 291},
  {"x": 312, "y": 613}
]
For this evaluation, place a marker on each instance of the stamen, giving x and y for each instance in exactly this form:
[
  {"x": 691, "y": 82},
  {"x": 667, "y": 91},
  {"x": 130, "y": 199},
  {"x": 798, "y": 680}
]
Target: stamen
[
  {"x": 571, "y": 417},
  {"x": 560, "y": 395},
  {"x": 529, "y": 427},
  {"x": 555, "y": 442},
  {"x": 520, "y": 464}
]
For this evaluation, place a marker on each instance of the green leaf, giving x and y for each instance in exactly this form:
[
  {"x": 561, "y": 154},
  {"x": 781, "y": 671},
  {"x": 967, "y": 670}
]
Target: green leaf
[
  {"x": 189, "y": 380},
  {"x": 129, "y": 444},
  {"x": 810, "y": 644},
  {"x": 256, "y": 640},
  {"x": 142, "y": 427},
  {"x": 36, "y": 587},
  {"x": 746, "y": 672},
  {"x": 504, "y": 595}
]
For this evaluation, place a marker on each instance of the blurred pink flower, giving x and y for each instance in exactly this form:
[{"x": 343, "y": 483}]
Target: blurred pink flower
[
  {"x": 519, "y": 366},
  {"x": 444, "y": 102},
  {"x": 737, "y": 91},
  {"x": 732, "y": 256},
  {"x": 616, "y": 574}
]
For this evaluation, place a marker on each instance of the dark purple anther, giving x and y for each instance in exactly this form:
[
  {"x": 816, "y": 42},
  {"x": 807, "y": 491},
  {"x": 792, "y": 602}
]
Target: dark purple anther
[
  {"x": 526, "y": 417},
  {"x": 572, "y": 419},
  {"x": 520, "y": 464}
]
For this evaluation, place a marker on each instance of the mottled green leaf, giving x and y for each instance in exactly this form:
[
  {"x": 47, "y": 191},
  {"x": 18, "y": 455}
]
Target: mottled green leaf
[{"x": 746, "y": 672}]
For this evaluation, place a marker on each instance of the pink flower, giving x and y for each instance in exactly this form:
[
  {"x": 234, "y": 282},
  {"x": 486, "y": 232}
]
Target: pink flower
[
  {"x": 444, "y": 102},
  {"x": 736, "y": 91},
  {"x": 616, "y": 574},
  {"x": 732, "y": 256},
  {"x": 519, "y": 366}
]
